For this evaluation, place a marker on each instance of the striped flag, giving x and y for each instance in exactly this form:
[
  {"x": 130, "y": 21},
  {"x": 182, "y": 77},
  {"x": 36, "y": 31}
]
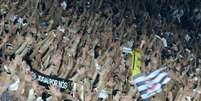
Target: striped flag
[{"x": 152, "y": 83}]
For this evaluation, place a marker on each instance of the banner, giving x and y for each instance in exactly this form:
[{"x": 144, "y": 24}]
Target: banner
[{"x": 46, "y": 80}]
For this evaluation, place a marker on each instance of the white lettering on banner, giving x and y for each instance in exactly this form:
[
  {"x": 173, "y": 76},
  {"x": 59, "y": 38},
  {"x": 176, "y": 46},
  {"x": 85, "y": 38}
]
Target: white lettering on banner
[
  {"x": 55, "y": 82},
  {"x": 46, "y": 80},
  {"x": 61, "y": 83},
  {"x": 65, "y": 85},
  {"x": 39, "y": 78},
  {"x": 51, "y": 81},
  {"x": 33, "y": 75}
]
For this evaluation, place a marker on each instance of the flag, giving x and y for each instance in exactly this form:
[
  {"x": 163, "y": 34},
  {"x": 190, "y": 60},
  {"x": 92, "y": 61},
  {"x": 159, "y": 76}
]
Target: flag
[
  {"x": 152, "y": 83},
  {"x": 136, "y": 62}
]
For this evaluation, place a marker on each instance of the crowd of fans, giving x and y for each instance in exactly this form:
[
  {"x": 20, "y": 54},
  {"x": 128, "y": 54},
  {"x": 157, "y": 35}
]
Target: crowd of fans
[{"x": 82, "y": 41}]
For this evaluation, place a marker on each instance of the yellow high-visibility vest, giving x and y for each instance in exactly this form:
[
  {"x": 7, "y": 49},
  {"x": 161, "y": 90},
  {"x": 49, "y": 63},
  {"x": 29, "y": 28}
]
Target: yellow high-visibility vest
[{"x": 136, "y": 62}]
